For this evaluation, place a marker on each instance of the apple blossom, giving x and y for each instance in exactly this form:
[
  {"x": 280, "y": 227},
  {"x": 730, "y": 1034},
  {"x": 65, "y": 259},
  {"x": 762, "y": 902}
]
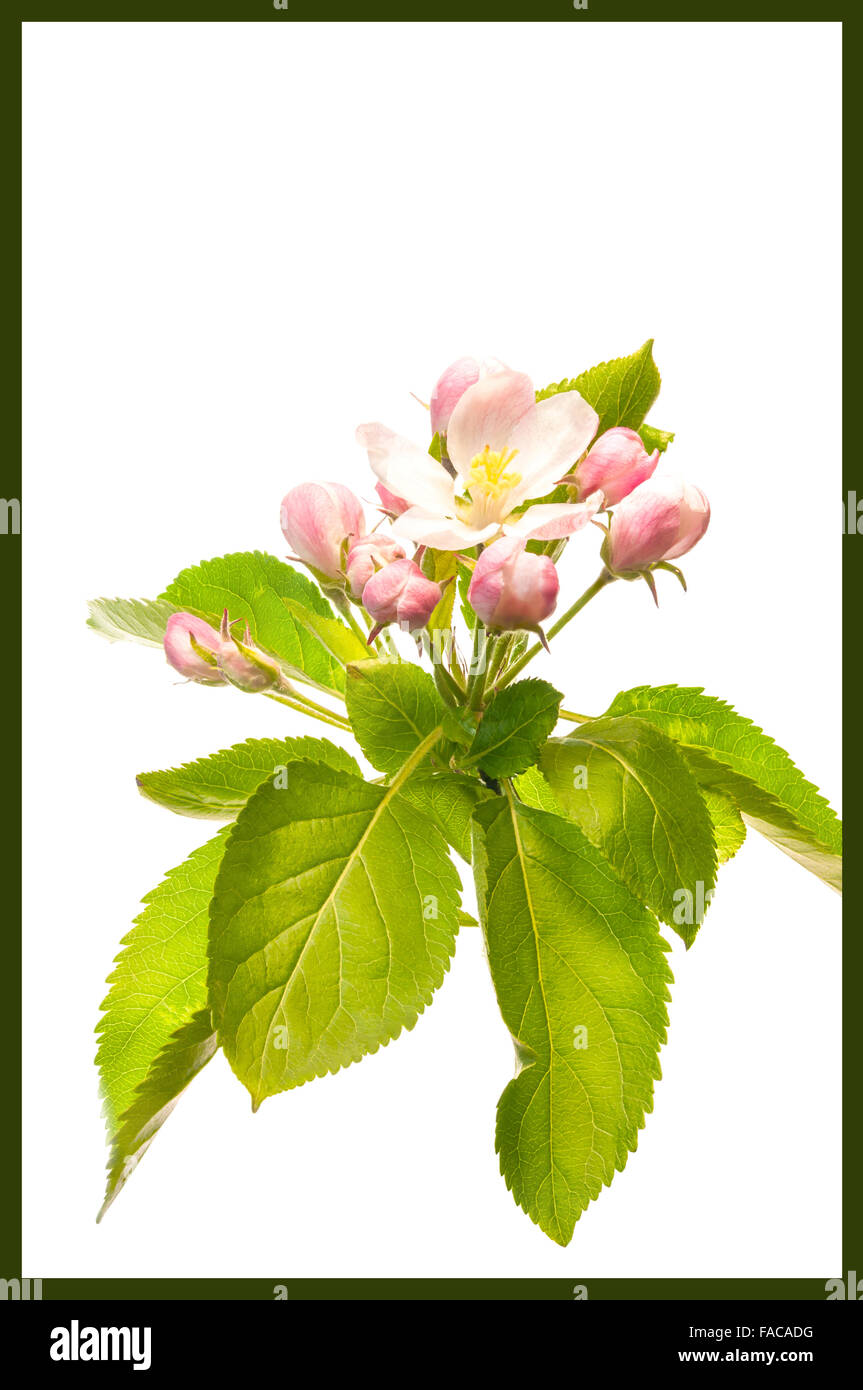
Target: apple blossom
[
  {"x": 192, "y": 647},
  {"x": 659, "y": 521},
  {"x": 367, "y": 555},
  {"x": 318, "y": 519},
  {"x": 505, "y": 449},
  {"x": 400, "y": 593},
  {"x": 617, "y": 464},
  {"x": 512, "y": 588}
]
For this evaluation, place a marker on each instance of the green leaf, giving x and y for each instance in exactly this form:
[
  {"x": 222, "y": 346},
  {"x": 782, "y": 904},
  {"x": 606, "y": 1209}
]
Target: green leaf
[
  {"x": 185, "y": 1054},
  {"x": 464, "y": 574},
  {"x": 582, "y": 982},
  {"x": 629, "y": 788},
  {"x": 441, "y": 566},
  {"x": 393, "y": 706},
  {"x": 333, "y": 922},
  {"x": 133, "y": 619},
  {"x": 728, "y": 826},
  {"x": 158, "y": 985},
  {"x": 287, "y": 615},
  {"x": 621, "y": 392},
  {"x": 532, "y": 788},
  {"x": 449, "y": 799},
  {"x": 218, "y": 787},
  {"x": 732, "y": 755},
  {"x": 515, "y": 725},
  {"x": 655, "y": 439}
]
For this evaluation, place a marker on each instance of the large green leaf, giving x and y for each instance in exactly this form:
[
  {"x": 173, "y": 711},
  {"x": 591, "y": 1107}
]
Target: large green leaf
[
  {"x": 621, "y": 391},
  {"x": 333, "y": 922},
  {"x": 515, "y": 725},
  {"x": 185, "y": 1054},
  {"x": 286, "y": 613},
  {"x": 629, "y": 788},
  {"x": 392, "y": 706},
  {"x": 158, "y": 986},
  {"x": 218, "y": 787},
  {"x": 732, "y": 755},
  {"x": 581, "y": 978},
  {"x": 130, "y": 619}
]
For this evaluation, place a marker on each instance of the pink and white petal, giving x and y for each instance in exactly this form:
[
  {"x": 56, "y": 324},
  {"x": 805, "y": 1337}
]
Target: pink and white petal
[
  {"x": 550, "y": 521},
  {"x": 550, "y": 440},
  {"x": 424, "y": 527},
  {"x": 405, "y": 469},
  {"x": 488, "y": 413}
]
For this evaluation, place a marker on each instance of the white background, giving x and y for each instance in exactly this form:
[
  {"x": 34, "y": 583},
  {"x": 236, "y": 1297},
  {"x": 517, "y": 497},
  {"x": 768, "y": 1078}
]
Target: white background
[{"x": 240, "y": 242}]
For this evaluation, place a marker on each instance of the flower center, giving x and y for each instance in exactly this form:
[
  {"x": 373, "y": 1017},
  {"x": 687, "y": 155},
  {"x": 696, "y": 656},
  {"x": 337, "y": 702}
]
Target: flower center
[{"x": 488, "y": 475}]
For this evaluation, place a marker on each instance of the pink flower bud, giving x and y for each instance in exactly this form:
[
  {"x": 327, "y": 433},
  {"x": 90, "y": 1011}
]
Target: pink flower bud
[
  {"x": 243, "y": 664},
  {"x": 192, "y": 647},
  {"x": 511, "y": 587},
  {"x": 449, "y": 389},
  {"x": 400, "y": 593},
  {"x": 392, "y": 505},
  {"x": 452, "y": 384},
  {"x": 616, "y": 465},
  {"x": 366, "y": 556},
  {"x": 661, "y": 520},
  {"x": 317, "y": 520}
]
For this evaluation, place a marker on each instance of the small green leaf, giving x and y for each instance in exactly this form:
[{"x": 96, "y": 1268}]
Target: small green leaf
[
  {"x": 728, "y": 826},
  {"x": 449, "y": 799},
  {"x": 218, "y": 787},
  {"x": 581, "y": 978},
  {"x": 184, "y": 1055},
  {"x": 515, "y": 725},
  {"x": 732, "y": 755},
  {"x": 133, "y": 619},
  {"x": 440, "y": 566},
  {"x": 532, "y": 788},
  {"x": 621, "y": 392},
  {"x": 158, "y": 986},
  {"x": 464, "y": 574},
  {"x": 631, "y": 791},
  {"x": 287, "y": 615},
  {"x": 333, "y": 921},
  {"x": 655, "y": 439},
  {"x": 393, "y": 706}
]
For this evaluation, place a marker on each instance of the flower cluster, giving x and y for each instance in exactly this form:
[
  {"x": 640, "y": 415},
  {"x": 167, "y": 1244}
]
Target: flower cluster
[{"x": 482, "y": 491}]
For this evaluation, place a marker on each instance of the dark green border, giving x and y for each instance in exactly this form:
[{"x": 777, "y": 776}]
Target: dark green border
[{"x": 10, "y": 764}]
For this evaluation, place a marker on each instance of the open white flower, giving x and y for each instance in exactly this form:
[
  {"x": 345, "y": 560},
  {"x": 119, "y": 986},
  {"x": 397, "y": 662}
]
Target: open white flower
[{"x": 505, "y": 449}]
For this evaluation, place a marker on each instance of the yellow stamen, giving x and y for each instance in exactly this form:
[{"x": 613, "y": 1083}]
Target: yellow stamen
[{"x": 488, "y": 473}]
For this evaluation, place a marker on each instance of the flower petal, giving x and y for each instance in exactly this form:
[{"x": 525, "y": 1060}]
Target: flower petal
[
  {"x": 405, "y": 469},
  {"x": 550, "y": 521},
  {"x": 550, "y": 440},
  {"x": 488, "y": 413},
  {"x": 440, "y": 532}
]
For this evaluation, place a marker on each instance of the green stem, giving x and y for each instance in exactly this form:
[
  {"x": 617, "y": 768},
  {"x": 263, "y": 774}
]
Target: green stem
[
  {"x": 476, "y": 680},
  {"x": 499, "y": 656},
  {"x": 575, "y": 718},
  {"x": 604, "y": 578},
  {"x": 313, "y": 710}
]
